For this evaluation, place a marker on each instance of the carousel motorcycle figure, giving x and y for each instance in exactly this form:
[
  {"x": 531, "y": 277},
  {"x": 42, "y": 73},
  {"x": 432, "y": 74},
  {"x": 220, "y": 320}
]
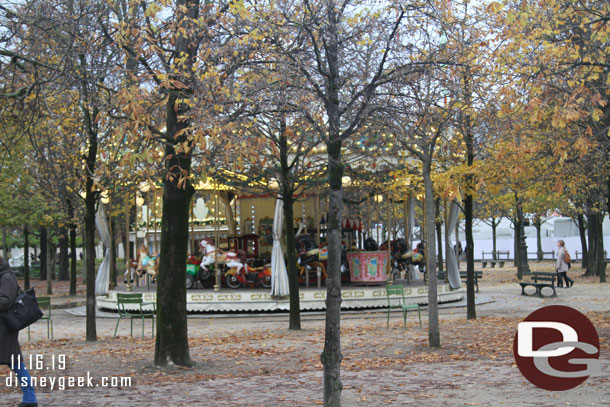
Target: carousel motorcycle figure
[
  {"x": 238, "y": 272},
  {"x": 195, "y": 273},
  {"x": 249, "y": 276}
]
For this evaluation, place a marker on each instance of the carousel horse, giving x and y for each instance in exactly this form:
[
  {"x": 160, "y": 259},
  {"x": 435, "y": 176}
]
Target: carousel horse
[
  {"x": 147, "y": 264},
  {"x": 301, "y": 229},
  {"x": 212, "y": 255},
  {"x": 370, "y": 245},
  {"x": 130, "y": 272},
  {"x": 417, "y": 257},
  {"x": 308, "y": 254},
  {"x": 402, "y": 257},
  {"x": 398, "y": 249}
]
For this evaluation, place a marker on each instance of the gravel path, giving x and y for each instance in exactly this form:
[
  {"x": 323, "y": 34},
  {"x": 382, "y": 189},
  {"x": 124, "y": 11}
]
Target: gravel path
[{"x": 256, "y": 361}]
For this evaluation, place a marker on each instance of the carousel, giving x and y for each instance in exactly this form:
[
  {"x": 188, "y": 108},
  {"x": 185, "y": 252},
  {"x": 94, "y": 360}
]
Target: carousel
[{"x": 236, "y": 251}]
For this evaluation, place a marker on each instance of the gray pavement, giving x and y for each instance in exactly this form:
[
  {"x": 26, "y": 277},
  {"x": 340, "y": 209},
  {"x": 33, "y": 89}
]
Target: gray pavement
[{"x": 218, "y": 379}]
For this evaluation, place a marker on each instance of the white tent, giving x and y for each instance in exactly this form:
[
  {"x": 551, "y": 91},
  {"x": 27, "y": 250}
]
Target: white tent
[
  {"x": 103, "y": 273},
  {"x": 279, "y": 275}
]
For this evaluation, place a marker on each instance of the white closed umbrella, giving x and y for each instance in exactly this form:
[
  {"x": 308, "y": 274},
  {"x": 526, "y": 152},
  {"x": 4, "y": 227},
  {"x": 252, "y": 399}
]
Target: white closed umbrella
[
  {"x": 410, "y": 225},
  {"x": 279, "y": 275},
  {"x": 452, "y": 262},
  {"x": 102, "y": 279}
]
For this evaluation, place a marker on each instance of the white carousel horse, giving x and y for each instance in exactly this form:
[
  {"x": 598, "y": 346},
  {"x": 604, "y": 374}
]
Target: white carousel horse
[
  {"x": 130, "y": 272},
  {"x": 302, "y": 227},
  {"x": 212, "y": 255}
]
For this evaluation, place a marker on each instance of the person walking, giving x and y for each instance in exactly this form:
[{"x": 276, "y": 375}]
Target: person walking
[
  {"x": 10, "y": 351},
  {"x": 562, "y": 266}
]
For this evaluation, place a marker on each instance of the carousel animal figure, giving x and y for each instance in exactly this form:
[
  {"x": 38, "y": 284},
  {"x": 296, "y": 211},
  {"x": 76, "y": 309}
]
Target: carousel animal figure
[
  {"x": 398, "y": 251},
  {"x": 308, "y": 254},
  {"x": 130, "y": 272},
  {"x": 402, "y": 257},
  {"x": 417, "y": 257},
  {"x": 147, "y": 264},
  {"x": 370, "y": 245},
  {"x": 301, "y": 229},
  {"x": 212, "y": 255}
]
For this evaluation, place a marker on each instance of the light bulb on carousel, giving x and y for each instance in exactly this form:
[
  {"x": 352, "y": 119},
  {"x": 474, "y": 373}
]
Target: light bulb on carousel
[
  {"x": 253, "y": 220},
  {"x": 253, "y": 224},
  {"x": 237, "y": 215}
]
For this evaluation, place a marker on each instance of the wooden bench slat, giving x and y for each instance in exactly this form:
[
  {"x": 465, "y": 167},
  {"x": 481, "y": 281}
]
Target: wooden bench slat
[
  {"x": 547, "y": 280},
  {"x": 477, "y": 275}
]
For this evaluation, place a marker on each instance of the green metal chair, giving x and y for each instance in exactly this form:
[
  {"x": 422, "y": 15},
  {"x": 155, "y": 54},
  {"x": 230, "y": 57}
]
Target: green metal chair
[
  {"x": 137, "y": 305},
  {"x": 45, "y": 302},
  {"x": 396, "y": 299}
]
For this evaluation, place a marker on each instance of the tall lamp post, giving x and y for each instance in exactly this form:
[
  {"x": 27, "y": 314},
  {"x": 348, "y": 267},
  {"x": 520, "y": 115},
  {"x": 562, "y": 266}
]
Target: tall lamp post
[{"x": 523, "y": 267}]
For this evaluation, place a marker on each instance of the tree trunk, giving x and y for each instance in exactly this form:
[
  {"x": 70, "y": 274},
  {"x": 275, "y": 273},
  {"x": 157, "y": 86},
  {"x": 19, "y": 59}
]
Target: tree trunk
[
  {"x": 51, "y": 260},
  {"x": 438, "y": 223},
  {"x": 64, "y": 268},
  {"x": 293, "y": 283},
  {"x": 582, "y": 231},
  {"x": 72, "y": 260},
  {"x": 596, "y": 264},
  {"x": 516, "y": 241},
  {"x": 172, "y": 333},
  {"x": 494, "y": 236},
  {"x": 288, "y": 202},
  {"x": 91, "y": 330},
  {"x": 90, "y": 200},
  {"x": 125, "y": 242},
  {"x": 331, "y": 355},
  {"x": 468, "y": 205},
  {"x": 434, "y": 339},
  {"x": 523, "y": 265},
  {"x": 4, "y": 245},
  {"x": 113, "y": 244},
  {"x": 43, "y": 253},
  {"x": 26, "y": 258},
  {"x": 608, "y": 182},
  {"x": 84, "y": 255},
  {"x": 90, "y": 112},
  {"x": 538, "y": 226},
  {"x": 471, "y": 312}
]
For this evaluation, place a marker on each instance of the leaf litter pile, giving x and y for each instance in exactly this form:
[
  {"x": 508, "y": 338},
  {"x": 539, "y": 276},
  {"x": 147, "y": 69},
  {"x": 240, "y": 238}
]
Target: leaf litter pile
[{"x": 279, "y": 356}]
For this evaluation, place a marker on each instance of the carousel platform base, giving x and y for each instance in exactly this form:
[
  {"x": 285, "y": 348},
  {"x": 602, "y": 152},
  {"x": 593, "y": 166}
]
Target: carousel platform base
[{"x": 240, "y": 300}]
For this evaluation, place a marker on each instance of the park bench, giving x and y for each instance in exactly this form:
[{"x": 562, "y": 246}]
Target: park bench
[
  {"x": 477, "y": 276},
  {"x": 493, "y": 263},
  {"x": 539, "y": 281},
  {"x": 578, "y": 256},
  {"x": 496, "y": 258},
  {"x": 551, "y": 255}
]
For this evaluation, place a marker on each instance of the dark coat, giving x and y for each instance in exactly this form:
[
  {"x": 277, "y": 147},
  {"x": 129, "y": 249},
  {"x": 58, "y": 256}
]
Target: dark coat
[{"x": 9, "y": 344}]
